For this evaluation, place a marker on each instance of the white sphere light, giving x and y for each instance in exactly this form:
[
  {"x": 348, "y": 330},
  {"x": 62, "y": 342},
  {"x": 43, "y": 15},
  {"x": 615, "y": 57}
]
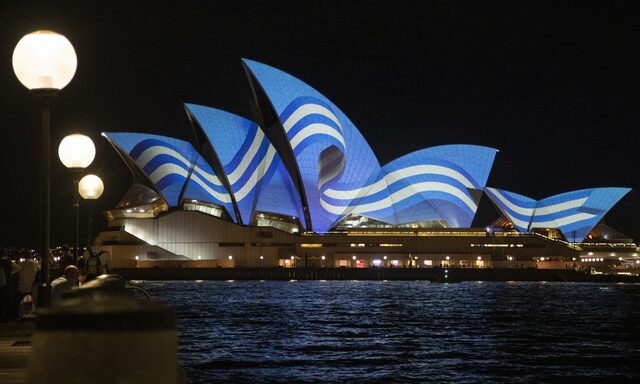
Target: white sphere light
[
  {"x": 76, "y": 151},
  {"x": 90, "y": 187},
  {"x": 44, "y": 60}
]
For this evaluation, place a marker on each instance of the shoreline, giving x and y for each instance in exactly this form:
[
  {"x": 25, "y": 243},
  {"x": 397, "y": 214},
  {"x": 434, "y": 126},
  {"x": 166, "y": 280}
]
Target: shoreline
[{"x": 435, "y": 275}]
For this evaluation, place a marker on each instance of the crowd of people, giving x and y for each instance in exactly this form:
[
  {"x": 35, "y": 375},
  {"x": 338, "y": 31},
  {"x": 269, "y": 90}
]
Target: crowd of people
[{"x": 20, "y": 277}]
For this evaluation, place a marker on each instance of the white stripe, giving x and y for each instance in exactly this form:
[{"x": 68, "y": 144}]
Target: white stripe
[
  {"x": 165, "y": 170},
  {"x": 170, "y": 168},
  {"x": 367, "y": 190},
  {"x": 157, "y": 150},
  {"x": 555, "y": 208},
  {"x": 237, "y": 173},
  {"x": 256, "y": 176},
  {"x": 151, "y": 152},
  {"x": 515, "y": 208},
  {"x": 562, "y": 221},
  {"x": 316, "y": 129},
  {"x": 308, "y": 109},
  {"x": 223, "y": 197},
  {"x": 403, "y": 194},
  {"x": 517, "y": 222},
  {"x": 395, "y": 176},
  {"x": 428, "y": 169},
  {"x": 210, "y": 177}
]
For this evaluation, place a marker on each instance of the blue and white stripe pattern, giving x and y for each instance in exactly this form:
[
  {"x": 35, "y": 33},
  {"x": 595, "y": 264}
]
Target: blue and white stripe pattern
[
  {"x": 168, "y": 163},
  {"x": 329, "y": 150},
  {"x": 336, "y": 171},
  {"x": 573, "y": 213},
  {"x": 430, "y": 184},
  {"x": 249, "y": 161}
]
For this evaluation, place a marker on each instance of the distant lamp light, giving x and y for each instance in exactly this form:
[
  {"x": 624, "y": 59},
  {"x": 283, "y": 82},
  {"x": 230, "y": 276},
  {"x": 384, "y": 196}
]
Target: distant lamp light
[
  {"x": 447, "y": 257},
  {"x": 637, "y": 261},
  {"x": 384, "y": 257},
  {"x": 510, "y": 258},
  {"x": 137, "y": 257},
  {"x": 542, "y": 259},
  {"x": 590, "y": 253},
  {"x": 620, "y": 258},
  {"x": 90, "y": 187},
  {"x": 323, "y": 258},
  {"x": 261, "y": 257},
  {"x": 44, "y": 60},
  {"x": 76, "y": 151},
  {"x": 479, "y": 258},
  {"x": 293, "y": 257},
  {"x": 230, "y": 257},
  {"x": 353, "y": 257},
  {"x": 199, "y": 257}
]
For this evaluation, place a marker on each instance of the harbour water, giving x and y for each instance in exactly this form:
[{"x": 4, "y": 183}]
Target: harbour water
[{"x": 399, "y": 331}]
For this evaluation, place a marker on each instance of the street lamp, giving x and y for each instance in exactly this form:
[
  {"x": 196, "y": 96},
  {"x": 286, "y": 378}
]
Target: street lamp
[
  {"x": 44, "y": 62},
  {"x": 90, "y": 187},
  {"x": 76, "y": 152}
]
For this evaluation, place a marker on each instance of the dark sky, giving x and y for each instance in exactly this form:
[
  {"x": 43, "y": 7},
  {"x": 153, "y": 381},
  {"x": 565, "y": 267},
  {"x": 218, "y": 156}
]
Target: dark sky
[{"x": 553, "y": 86}]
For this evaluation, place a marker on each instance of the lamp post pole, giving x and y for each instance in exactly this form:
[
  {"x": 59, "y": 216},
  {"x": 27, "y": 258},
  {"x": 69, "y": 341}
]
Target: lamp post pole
[
  {"x": 44, "y": 62},
  {"x": 90, "y": 188},
  {"x": 45, "y": 219},
  {"x": 76, "y": 218},
  {"x": 76, "y": 152}
]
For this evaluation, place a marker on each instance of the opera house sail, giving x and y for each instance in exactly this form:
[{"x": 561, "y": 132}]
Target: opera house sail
[{"x": 301, "y": 166}]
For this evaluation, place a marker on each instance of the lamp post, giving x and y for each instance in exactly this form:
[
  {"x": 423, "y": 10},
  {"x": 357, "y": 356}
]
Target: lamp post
[
  {"x": 44, "y": 62},
  {"x": 76, "y": 152},
  {"x": 90, "y": 187}
]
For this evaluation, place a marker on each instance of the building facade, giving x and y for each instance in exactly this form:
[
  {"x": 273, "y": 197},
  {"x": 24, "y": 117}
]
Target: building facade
[{"x": 298, "y": 185}]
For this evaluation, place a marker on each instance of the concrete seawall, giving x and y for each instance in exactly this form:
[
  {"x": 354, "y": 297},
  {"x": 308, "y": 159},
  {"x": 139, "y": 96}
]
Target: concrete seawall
[{"x": 431, "y": 274}]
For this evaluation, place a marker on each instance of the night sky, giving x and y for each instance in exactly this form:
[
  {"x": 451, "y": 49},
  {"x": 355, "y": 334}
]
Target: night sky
[{"x": 553, "y": 86}]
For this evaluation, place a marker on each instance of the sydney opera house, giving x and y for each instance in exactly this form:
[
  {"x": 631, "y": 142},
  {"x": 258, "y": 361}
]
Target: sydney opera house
[{"x": 298, "y": 185}]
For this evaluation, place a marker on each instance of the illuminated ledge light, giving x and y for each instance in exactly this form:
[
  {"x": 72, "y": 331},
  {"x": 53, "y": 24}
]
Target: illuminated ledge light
[
  {"x": 357, "y": 245},
  {"x": 390, "y": 245},
  {"x": 312, "y": 245},
  {"x": 453, "y": 233},
  {"x": 495, "y": 245}
]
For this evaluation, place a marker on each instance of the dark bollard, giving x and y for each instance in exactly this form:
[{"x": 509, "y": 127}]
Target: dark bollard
[{"x": 100, "y": 334}]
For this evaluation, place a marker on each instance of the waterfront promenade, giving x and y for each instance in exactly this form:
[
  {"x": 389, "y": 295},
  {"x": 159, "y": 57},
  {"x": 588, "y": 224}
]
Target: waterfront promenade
[
  {"x": 436, "y": 275},
  {"x": 15, "y": 347}
]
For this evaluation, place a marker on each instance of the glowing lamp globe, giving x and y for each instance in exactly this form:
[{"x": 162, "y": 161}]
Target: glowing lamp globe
[
  {"x": 90, "y": 187},
  {"x": 44, "y": 60},
  {"x": 76, "y": 151}
]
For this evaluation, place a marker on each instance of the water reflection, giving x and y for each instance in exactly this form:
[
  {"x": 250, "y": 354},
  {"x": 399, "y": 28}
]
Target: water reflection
[{"x": 344, "y": 331}]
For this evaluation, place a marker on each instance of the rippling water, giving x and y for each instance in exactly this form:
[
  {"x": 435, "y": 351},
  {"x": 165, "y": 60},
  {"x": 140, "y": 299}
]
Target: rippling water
[{"x": 356, "y": 331}]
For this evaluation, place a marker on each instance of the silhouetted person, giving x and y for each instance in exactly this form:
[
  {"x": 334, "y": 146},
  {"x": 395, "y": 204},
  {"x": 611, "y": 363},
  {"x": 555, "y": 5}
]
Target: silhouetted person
[{"x": 63, "y": 284}]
